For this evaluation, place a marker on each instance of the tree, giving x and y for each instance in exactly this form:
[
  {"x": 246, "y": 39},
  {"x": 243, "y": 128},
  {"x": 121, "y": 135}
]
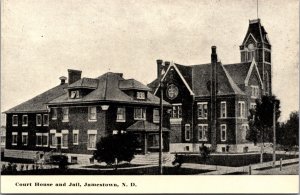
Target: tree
[
  {"x": 116, "y": 148},
  {"x": 261, "y": 121},
  {"x": 288, "y": 134}
]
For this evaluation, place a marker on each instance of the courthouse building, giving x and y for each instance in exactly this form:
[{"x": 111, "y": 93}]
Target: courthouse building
[{"x": 211, "y": 102}]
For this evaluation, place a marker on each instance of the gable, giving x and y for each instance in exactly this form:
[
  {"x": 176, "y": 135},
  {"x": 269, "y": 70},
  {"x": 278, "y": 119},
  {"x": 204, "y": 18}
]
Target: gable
[{"x": 253, "y": 70}]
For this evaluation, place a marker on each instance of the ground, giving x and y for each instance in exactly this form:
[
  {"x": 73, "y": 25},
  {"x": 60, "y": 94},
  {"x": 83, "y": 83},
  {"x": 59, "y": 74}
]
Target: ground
[{"x": 286, "y": 170}]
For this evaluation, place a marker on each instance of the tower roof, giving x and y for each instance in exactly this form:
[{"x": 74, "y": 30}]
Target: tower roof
[{"x": 257, "y": 31}]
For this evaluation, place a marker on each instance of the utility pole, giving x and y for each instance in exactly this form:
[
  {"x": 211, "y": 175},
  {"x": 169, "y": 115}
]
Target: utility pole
[
  {"x": 159, "y": 63},
  {"x": 274, "y": 133}
]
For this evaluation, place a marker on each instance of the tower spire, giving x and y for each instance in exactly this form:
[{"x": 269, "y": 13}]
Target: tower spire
[{"x": 257, "y": 8}]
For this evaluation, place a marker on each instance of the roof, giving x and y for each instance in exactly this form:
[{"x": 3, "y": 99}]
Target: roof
[
  {"x": 238, "y": 71},
  {"x": 257, "y": 30},
  {"x": 38, "y": 103},
  {"x": 108, "y": 90},
  {"x": 85, "y": 83},
  {"x": 145, "y": 126},
  {"x": 132, "y": 84}
]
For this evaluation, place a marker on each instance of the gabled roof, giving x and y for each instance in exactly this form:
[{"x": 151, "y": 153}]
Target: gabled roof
[
  {"x": 88, "y": 83},
  {"x": 145, "y": 126},
  {"x": 253, "y": 67},
  {"x": 38, "y": 103},
  {"x": 202, "y": 76},
  {"x": 108, "y": 90},
  {"x": 238, "y": 71}
]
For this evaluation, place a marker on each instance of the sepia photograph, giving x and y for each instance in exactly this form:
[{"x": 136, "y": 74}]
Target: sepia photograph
[{"x": 148, "y": 88}]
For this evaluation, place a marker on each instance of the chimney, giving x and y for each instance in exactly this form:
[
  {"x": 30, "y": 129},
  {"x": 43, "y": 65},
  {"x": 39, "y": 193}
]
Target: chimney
[
  {"x": 159, "y": 66},
  {"x": 74, "y": 75},
  {"x": 213, "y": 96},
  {"x": 62, "y": 80}
]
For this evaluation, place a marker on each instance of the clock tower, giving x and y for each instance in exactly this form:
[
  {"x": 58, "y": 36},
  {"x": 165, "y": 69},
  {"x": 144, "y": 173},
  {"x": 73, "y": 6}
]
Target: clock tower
[{"x": 256, "y": 45}]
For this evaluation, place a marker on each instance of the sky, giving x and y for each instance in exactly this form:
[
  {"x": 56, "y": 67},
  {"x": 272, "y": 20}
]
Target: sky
[{"x": 41, "y": 39}]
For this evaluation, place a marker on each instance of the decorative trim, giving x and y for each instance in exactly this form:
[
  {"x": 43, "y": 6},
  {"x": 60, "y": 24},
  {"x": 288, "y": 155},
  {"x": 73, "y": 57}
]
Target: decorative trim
[{"x": 253, "y": 64}]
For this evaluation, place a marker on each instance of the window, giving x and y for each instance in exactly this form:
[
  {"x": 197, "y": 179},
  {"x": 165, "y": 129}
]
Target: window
[
  {"x": 251, "y": 55},
  {"x": 267, "y": 56},
  {"x": 223, "y": 132},
  {"x": 24, "y": 138},
  {"x": 41, "y": 139},
  {"x": 140, "y": 113},
  {"x": 202, "y": 132},
  {"x": 45, "y": 119},
  {"x": 14, "y": 138},
  {"x": 121, "y": 114},
  {"x": 202, "y": 110},
  {"x": 156, "y": 116},
  {"x": 74, "y": 94},
  {"x": 54, "y": 113},
  {"x": 15, "y": 120},
  {"x": 25, "y": 120},
  {"x": 92, "y": 137},
  {"x": 75, "y": 137},
  {"x": 92, "y": 114},
  {"x": 52, "y": 139},
  {"x": 244, "y": 129},
  {"x": 187, "y": 132},
  {"x": 38, "y": 120},
  {"x": 140, "y": 95},
  {"x": 177, "y": 111},
  {"x": 65, "y": 138},
  {"x": 65, "y": 115},
  {"x": 254, "y": 91},
  {"x": 241, "y": 109},
  {"x": 223, "y": 110}
]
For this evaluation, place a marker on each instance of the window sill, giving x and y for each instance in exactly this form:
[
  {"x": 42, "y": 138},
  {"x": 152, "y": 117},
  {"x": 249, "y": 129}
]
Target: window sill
[
  {"x": 92, "y": 120},
  {"x": 25, "y": 125},
  {"x": 140, "y": 119},
  {"x": 65, "y": 121},
  {"x": 223, "y": 140},
  {"x": 155, "y": 121},
  {"x": 39, "y": 125},
  {"x": 54, "y": 119},
  {"x": 202, "y": 140},
  {"x": 187, "y": 140},
  {"x": 52, "y": 146},
  {"x": 120, "y": 121},
  {"x": 64, "y": 147},
  {"x": 14, "y": 144},
  {"x": 14, "y": 125},
  {"x": 75, "y": 144},
  {"x": 91, "y": 149},
  {"x": 175, "y": 120},
  {"x": 46, "y": 125}
]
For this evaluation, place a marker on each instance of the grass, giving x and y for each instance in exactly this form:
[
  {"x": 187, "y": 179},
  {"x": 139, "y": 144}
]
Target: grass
[
  {"x": 124, "y": 165},
  {"x": 137, "y": 171},
  {"x": 234, "y": 160}
]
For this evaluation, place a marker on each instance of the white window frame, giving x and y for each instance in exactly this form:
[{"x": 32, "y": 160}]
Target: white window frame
[
  {"x": 46, "y": 122},
  {"x": 90, "y": 114},
  {"x": 204, "y": 132},
  {"x": 54, "y": 117},
  {"x": 53, "y": 144},
  {"x": 91, "y": 132},
  {"x": 141, "y": 95},
  {"x": 244, "y": 127},
  {"x": 75, "y": 132},
  {"x": 24, "y": 124},
  {"x": 64, "y": 132},
  {"x": 254, "y": 91},
  {"x": 74, "y": 94},
  {"x": 156, "y": 119},
  {"x": 179, "y": 111},
  {"x": 65, "y": 119},
  {"x": 143, "y": 110},
  {"x": 25, "y": 134},
  {"x": 15, "y": 124},
  {"x": 12, "y": 138},
  {"x": 47, "y": 139},
  {"x": 36, "y": 120},
  {"x": 205, "y": 115},
  {"x": 225, "y": 109},
  {"x": 123, "y": 114},
  {"x": 221, "y": 130},
  {"x": 242, "y": 109},
  {"x": 187, "y": 131},
  {"x": 36, "y": 138}
]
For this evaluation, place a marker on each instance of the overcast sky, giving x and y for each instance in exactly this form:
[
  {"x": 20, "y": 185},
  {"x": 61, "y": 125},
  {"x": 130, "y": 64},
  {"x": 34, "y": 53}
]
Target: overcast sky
[{"x": 41, "y": 39}]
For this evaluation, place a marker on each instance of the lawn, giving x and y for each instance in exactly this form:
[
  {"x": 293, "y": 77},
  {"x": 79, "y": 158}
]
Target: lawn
[
  {"x": 233, "y": 160},
  {"x": 136, "y": 171}
]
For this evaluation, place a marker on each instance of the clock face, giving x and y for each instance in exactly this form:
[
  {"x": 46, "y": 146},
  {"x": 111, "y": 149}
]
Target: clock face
[
  {"x": 172, "y": 91},
  {"x": 251, "y": 46}
]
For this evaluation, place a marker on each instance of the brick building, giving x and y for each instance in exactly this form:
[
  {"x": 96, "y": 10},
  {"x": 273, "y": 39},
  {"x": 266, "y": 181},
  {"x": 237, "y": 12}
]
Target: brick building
[
  {"x": 211, "y": 101},
  {"x": 73, "y": 116}
]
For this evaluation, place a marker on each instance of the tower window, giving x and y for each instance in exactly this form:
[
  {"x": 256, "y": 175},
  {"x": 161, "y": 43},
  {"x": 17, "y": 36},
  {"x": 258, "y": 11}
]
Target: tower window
[{"x": 267, "y": 56}]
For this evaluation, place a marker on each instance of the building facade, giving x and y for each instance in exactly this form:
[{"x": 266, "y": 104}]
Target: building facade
[
  {"x": 211, "y": 102},
  {"x": 74, "y": 116}
]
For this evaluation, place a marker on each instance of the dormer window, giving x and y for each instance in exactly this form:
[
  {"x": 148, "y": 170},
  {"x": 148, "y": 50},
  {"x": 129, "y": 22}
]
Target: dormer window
[
  {"x": 254, "y": 91},
  {"x": 140, "y": 95},
  {"x": 74, "y": 94}
]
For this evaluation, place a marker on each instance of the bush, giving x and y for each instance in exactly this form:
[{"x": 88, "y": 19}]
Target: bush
[{"x": 121, "y": 147}]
